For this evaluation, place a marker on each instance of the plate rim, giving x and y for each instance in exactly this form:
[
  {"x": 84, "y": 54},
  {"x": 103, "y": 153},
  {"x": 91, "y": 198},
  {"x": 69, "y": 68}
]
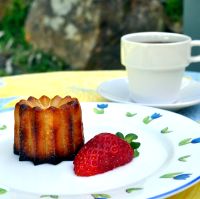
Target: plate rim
[{"x": 169, "y": 193}]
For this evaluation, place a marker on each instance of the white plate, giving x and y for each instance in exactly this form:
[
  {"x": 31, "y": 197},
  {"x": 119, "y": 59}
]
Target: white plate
[
  {"x": 163, "y": 142},
  {"x": 117, "y": 90}
]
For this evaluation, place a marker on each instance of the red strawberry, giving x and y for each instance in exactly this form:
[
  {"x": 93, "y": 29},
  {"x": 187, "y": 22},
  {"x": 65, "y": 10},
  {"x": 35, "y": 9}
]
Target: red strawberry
[{"x": 102, "y": 153}]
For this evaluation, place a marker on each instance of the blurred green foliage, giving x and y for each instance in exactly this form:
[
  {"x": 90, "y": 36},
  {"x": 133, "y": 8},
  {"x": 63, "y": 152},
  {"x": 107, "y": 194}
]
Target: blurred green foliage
[
  {"x": 174, "y": 9},
  {"x": 13, "y": 22},
  {"x": 24, "y": 58}
]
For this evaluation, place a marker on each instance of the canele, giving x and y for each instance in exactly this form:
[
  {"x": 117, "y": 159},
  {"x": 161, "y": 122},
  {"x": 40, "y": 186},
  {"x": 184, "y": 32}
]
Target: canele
[{"x": 48, "y": 130}]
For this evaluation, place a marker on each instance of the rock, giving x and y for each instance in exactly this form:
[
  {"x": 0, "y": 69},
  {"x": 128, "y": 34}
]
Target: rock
[{"x": 86, "y": 34}]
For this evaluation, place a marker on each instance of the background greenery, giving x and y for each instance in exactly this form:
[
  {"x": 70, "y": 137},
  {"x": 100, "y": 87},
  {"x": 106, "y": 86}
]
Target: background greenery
[
  {"x": 173, "y": 9},
  {"x": 24, "y": 58},
  {"x": 13, "y": 46}
]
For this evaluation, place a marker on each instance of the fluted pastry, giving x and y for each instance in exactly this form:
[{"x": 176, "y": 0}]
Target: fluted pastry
[{"x": 48, "y": 130}]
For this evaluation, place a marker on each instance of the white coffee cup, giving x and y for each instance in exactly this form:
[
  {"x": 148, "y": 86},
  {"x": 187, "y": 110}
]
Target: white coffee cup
[{"x": 155, "y": 63}]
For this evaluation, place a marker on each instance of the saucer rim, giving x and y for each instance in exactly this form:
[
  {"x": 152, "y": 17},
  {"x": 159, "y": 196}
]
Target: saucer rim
[{"x": 170, "y": 106}]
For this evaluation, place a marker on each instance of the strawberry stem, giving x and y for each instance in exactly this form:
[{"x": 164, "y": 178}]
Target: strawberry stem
[{"x": 130, "y": 137}]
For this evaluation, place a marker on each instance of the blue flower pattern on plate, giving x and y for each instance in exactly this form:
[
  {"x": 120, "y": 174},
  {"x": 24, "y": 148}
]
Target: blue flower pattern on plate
[
  {"x": 189, "y": 141},
  {"x": 183, "y": 176},
  {"x": 176, "y": 175},
  {"x": 154, "y": 116},
  {"x": 146, "y": 120},
  {"x": 195, "y": 141},
  {"x": 102, "y": 106}
]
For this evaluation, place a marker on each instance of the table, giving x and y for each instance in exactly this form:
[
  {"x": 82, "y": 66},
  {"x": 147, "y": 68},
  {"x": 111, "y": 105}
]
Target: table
[{"x": 81, "y": 84}]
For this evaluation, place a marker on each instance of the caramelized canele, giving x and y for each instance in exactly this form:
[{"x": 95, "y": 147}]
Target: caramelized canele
[{"x": 48, "y": 130}]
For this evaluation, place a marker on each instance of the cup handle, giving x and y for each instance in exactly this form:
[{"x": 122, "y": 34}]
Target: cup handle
[{"x": 195, "y": 58}]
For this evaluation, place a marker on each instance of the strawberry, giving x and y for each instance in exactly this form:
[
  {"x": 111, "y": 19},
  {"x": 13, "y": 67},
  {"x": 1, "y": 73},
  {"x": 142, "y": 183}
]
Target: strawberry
[{"x": 103, "y": 153}]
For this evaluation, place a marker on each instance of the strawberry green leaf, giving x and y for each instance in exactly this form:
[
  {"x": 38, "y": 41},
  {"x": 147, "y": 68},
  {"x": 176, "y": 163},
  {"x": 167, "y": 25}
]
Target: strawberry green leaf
[
  {"x": 120, "y": 135},
  {"x": 135, "y": 145},
  {"x": 130, "y": 137},
  {"x": 136, "y": 153}
]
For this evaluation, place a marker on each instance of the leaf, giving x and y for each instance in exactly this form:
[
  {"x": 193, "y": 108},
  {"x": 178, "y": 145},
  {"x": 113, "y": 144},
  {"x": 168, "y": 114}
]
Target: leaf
[
  {"x": 185, "y": 141},
  {"x": 130, "y": 190},
  {"x": 3, "y": 127},
  {"x": 2, "y": 191},
  {"x": 165, "y": 130},
  {"x": 95, "y": 196},
  {"x": 136, "y": 153},
  {"x": 130, "y": 137},
  {"x": 120, "y": 135},
  {"x": 171, "y": 175},
  {"x": 135, "y": 145},
  {"x": 129, "y": 114},
  {"x": 98, "y": 111},
  {"x": 147, "y": 120},
  {"x": 49, "y": 196},
  {"x": 184, "y": 158}
]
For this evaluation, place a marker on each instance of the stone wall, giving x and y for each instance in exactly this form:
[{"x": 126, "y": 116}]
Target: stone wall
[{"x": 86, "y": 34}]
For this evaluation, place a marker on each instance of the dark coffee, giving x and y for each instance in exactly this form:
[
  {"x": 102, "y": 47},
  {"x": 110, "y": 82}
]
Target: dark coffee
[{"x": 158, "y": 42}]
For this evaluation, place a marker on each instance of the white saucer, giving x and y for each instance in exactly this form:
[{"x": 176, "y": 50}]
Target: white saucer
[{"x": 117, "y": 90}]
